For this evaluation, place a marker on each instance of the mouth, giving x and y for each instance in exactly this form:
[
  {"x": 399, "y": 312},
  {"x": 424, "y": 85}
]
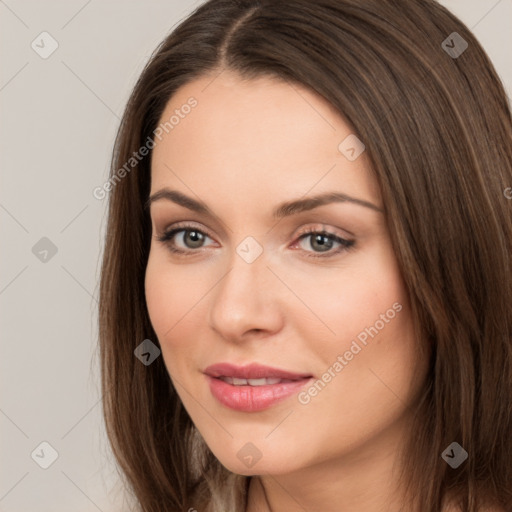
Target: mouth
[
  {"x": 253, "y": 372},
  {"x": 253, "y": 382},
  {"x": 254, "y": 387}
]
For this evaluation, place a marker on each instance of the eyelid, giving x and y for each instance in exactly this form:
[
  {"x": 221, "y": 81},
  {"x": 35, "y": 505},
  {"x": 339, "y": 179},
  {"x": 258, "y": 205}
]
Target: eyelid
[
  {"x": 187, "y": 225},
  {"x": 304, "y": 230},
  {"x": 323, "y": 228}
]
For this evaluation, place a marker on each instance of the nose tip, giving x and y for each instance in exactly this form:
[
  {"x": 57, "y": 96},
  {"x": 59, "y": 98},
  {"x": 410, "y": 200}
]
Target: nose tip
[{"x": 246, "y": 299}]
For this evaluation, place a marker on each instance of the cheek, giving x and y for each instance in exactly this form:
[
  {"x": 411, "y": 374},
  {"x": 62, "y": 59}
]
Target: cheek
[
  {"x": 363, "y": 388},
  {"x": 159, "y": 294},
  {"x": 171, "y": 299},
  {"x": 368, "y": 310},
  {"x": 366, "y": 297},
  {"x": 171, "y": 290}
]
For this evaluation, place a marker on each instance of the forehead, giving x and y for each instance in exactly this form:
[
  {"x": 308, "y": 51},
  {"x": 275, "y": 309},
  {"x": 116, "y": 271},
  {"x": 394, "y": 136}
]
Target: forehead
[{"x": 255, "y": 138}]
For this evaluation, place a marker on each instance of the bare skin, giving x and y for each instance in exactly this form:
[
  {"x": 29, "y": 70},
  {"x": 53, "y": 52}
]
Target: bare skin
[{"x": 247, "y": 147}]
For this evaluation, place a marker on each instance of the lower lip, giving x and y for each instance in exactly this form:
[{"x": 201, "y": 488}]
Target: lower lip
[{"x": 253, "y": 398}]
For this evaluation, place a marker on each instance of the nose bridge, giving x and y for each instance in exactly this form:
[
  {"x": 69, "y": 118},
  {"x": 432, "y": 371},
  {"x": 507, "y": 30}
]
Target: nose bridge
[{"x": 245, "y": 296}]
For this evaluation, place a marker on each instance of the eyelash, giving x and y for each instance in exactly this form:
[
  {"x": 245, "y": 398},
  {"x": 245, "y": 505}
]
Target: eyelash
[{"x": 346, "y": 245}]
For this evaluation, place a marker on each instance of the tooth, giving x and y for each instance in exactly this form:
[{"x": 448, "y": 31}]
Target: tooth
[
  {"x": 235, "y": 381},
  {"x": 257, "y": 382}
]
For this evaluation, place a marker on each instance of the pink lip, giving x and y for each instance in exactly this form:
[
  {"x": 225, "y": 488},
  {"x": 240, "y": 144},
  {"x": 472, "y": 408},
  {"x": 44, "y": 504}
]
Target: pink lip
[
  {"x": 251, "y": 371},
  {"x": 252, "y": 398}
]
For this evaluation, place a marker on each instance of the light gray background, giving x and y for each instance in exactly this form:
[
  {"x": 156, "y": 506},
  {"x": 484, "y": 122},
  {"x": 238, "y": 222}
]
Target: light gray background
[{"x": 59, "y": 117}]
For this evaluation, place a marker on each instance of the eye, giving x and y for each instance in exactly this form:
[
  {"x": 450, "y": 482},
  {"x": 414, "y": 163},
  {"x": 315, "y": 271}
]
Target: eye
[
  {"x": 322, "y": 241},
  {"x": 184, "y": 238}
]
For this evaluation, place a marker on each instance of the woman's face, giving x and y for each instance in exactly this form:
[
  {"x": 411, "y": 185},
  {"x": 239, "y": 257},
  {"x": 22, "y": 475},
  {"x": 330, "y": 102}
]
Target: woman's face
[{"x": 259, "y": 284}]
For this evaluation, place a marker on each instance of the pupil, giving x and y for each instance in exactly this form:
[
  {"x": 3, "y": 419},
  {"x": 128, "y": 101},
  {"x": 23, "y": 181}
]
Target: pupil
[
  {"x": 321, "y": 240},
  {"x": 195, "y": 237}
]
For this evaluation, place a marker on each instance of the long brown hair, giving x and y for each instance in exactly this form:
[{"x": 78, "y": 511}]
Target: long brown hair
[{"x": 438, "y": 131}]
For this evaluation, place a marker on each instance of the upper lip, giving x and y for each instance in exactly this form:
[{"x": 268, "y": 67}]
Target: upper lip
[{"x": 252, "y": 371}]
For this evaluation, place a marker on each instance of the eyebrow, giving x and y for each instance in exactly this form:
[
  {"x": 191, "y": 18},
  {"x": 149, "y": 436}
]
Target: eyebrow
[{"x": 283, "y": 210}]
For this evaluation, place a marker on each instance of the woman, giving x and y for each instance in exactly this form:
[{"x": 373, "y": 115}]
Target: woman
[{"x": 306, "y": 297}]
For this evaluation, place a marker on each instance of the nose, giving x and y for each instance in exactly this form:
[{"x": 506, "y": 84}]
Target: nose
[{"x": 247, "y": 301}]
